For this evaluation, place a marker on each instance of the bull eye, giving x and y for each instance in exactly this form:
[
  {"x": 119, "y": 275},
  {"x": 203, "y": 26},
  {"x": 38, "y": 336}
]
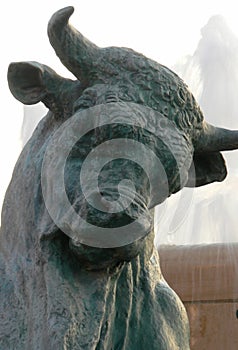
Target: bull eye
[
  {"x": 111, "y": 96},
  {"x": 166, "y": 111}
]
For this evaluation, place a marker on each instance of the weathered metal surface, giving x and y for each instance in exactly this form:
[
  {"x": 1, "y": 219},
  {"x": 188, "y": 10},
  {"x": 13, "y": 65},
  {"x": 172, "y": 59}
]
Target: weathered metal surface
[{"x": 79, "y": 270}]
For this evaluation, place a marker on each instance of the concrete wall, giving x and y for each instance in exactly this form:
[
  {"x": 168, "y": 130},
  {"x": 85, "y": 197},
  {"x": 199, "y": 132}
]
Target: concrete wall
[{"x": 206, "y": 279}]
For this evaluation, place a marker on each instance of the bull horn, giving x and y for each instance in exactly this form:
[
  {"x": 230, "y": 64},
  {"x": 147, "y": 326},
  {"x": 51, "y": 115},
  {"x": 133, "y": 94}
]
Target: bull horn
[
  {"x": 215, "y": 139},
  {"x": 75, "y": 51}
]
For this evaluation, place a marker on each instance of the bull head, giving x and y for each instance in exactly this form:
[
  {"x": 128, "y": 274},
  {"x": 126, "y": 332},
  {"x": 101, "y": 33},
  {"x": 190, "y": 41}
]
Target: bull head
[{"x": 154, "y": 138}]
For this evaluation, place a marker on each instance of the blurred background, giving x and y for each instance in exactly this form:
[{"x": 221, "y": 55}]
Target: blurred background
[{"x": 197, "y": 40}]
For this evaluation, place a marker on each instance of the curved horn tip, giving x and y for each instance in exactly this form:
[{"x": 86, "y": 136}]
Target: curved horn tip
[{"x": 61, "y": 16}]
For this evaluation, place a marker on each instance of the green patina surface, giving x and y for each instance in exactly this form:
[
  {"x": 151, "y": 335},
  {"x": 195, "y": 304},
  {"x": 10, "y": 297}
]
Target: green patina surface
[{"x": 58, "y": 292}]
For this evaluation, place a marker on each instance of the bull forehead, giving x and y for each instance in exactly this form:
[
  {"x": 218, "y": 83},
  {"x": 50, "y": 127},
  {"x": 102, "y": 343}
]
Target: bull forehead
[
  {"x": 125, "y": 120},
  {"x": 172, "y": 100}
]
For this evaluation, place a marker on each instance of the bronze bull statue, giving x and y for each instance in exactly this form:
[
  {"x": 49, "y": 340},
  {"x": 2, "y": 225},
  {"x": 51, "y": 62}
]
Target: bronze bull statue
[{"x": 78, "y": 265}]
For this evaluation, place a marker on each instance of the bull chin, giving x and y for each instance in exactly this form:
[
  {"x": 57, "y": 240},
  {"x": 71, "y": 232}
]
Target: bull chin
[{"x": 91, "y": 257}]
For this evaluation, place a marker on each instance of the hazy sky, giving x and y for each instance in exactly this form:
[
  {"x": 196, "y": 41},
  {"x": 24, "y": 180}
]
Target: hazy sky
[{"x": 162, "y": 30}]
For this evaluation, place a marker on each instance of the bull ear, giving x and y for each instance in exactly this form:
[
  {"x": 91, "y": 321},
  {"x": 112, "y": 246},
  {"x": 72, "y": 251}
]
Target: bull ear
[
  {"x": 25, "y": 80},
  {"x": 209, "y": 168}
]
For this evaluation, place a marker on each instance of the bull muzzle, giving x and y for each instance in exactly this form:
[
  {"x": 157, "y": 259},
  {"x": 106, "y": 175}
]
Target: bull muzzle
[{"x": 102, "y": 198}]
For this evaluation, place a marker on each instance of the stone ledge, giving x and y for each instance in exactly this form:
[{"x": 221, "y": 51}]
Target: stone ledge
[{"x": 202, "y": 272}]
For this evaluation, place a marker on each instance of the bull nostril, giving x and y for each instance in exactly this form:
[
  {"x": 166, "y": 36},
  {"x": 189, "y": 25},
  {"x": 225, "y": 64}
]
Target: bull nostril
[
  {"x": 114, "y": 200},
  {"x": 106, "y": 203},
  {"x": 101, "y": 201},
  {"x": 109, "y": 201}
]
